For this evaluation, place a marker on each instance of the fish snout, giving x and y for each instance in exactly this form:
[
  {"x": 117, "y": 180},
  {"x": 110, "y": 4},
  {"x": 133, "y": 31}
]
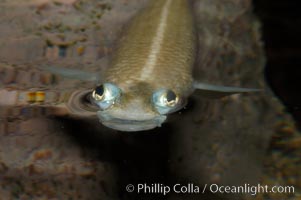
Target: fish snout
[{"x": 131, "y": 119}]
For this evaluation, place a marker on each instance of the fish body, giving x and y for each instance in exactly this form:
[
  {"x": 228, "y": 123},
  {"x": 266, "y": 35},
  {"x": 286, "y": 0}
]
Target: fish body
[
  {"x": 157, "y": 52},
  {"x": 158, "y": 48}
]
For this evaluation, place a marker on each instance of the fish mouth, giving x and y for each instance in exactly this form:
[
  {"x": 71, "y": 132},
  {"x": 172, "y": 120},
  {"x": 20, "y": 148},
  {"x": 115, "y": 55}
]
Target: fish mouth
[{"x": 130, "y": 125}]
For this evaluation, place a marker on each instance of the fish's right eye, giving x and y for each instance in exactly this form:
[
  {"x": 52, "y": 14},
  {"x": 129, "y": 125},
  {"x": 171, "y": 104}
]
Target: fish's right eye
[
  {"x": 98, "y": 93},
  {"x": 105, "y": 95}
]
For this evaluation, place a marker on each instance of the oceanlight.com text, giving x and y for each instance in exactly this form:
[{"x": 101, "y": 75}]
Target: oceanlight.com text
[{"x": 190, "y": 188}]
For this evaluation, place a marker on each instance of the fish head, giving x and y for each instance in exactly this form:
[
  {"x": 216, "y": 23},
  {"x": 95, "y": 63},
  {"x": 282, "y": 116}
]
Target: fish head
[{"x": 134, "y": 108}]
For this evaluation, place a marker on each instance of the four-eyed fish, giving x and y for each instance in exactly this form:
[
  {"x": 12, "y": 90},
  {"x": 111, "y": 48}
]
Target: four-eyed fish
[{"x": 150, "y": 74}]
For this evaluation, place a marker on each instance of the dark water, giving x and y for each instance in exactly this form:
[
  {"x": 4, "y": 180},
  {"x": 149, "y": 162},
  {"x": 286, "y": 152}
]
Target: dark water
[{"x": 139, "y": 157}]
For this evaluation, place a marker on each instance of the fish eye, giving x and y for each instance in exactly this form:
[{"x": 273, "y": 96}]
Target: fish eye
[
  {"x": 165, "y": 101},
  {"x": 105, "y": 95},
  {"x": 98, "y": 93},
  {"x": 171, "y": 98}
]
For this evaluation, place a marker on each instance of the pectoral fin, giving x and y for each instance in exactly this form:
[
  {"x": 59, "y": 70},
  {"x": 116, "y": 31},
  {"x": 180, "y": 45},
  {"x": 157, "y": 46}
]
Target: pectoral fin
[
  {"x": 72, "y": 73},
  {"x": 216, "y": 91}
]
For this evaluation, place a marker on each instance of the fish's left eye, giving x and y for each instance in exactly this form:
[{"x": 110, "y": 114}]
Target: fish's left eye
[
  {"x": 171, "y": 98},
  {"x": 105, "y": 95},
  {"x": 165, "y": 101}
]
